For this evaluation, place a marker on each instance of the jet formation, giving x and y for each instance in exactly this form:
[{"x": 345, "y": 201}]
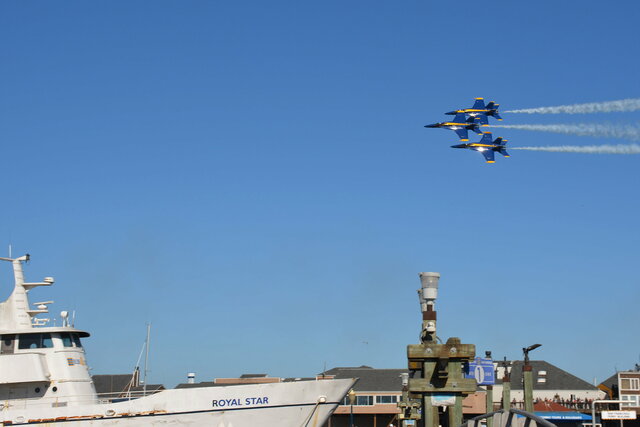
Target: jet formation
[{"x": 471, "y": 119}]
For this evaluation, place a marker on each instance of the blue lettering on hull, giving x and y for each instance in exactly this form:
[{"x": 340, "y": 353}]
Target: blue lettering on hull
[{"x": 229, "y": 403}]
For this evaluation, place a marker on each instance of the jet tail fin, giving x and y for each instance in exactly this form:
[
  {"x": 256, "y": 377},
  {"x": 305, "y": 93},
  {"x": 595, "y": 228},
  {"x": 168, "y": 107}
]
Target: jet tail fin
[
  {"x": 503, "y": 152},
  {"x": 494, "y": 110}
]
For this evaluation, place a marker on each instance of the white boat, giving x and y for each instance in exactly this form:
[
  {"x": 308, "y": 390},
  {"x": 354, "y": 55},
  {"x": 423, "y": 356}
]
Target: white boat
[{"x": 44, "y": 379}]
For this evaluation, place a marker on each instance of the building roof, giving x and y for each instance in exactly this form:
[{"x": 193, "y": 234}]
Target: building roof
[
  {"x": 611, "y": 381},
  {"x": 370, "y": 379},
  {"x": 381, "y": 380},
  {"x": 151, "y": 388},
  {"x": 225, "y": 384},
  {"x": 549, "y": 406},
  {"x": 111, "y": 383},
  {"x": 556, "y": 378},
  {"x": 197, "y": 385},
  {"x": 253, "y": 376}
]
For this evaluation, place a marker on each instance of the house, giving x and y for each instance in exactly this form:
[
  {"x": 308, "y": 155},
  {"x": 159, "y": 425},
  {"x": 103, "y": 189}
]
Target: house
[
  {"x": 550, "y": 383},
  {"x": 623, "y": 385}
]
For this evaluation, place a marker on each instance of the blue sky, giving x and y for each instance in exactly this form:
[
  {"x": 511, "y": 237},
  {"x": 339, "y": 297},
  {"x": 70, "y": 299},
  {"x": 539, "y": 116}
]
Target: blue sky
[{"x": 254, "y": 179}]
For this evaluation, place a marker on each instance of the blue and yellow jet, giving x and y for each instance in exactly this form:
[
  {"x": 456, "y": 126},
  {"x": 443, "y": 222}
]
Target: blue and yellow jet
[
  {"x": 460, "y": 125},
  {"x": 481, "y": 111},
  {"x": 486, "y": 147}
]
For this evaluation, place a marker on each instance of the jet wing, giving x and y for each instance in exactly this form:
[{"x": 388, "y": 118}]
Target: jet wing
[
  {"x": 463, "y": 134},
  {"x": 460, "y": 118},
  {"x": 489, "y": 156},
  {"x": 479, "y": 104}
]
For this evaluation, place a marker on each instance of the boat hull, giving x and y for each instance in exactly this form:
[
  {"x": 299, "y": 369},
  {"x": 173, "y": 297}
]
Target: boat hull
[{"x": 298, "y": 403}]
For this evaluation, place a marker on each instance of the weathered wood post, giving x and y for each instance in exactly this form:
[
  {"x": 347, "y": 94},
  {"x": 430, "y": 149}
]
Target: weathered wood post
[
  {"x": 528, "y": 378},
  {"x": 506, "y": 386}
]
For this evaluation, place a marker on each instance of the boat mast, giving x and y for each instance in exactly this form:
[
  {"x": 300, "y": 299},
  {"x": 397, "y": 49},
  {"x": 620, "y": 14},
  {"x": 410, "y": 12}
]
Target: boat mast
[{"x": 146, "y": 360}]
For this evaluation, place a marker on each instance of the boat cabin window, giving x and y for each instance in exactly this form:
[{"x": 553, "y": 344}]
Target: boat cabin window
[
  {"x": 29, "y": 341},
  {"x": 7, "y": 344},
  {"x": 70, "y": 340}
]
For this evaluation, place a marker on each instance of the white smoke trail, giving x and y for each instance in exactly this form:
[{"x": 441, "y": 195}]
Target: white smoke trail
[
  {"x": 590, "y": 149},
  {"x": 629, "y": 132},
  {"x": 623, "y": 105}
]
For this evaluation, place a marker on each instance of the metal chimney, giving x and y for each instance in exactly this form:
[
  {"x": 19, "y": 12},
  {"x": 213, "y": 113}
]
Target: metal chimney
[
  {"x": 191, "y": 378},
  {"x": 428, "y": 294}
]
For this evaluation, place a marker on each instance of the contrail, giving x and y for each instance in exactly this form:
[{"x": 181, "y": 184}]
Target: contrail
[
  {"x": 623, "y": 105},
  {"x": 629, "y": 132},
  {"x": 590, "y": 149}
]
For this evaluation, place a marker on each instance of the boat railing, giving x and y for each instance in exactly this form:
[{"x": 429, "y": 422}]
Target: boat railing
[
  {"x": 75, "y": 400},
  {"x": 124, "y": 396}
]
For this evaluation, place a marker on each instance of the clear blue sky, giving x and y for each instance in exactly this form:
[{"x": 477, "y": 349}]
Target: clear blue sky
[{"x": 254, "y": 178}]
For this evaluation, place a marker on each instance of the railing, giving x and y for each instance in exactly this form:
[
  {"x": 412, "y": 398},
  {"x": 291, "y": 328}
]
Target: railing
[
  {"x": 60, "y": 401},
  {"x": 123, "y": 396},
  {"x": 506, "y": 419},
  {"x": 577, "y": 405}
]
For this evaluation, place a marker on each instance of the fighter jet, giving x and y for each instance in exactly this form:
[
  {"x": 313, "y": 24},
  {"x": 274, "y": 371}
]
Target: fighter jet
[
  {"x": 486, "y": 147},
  {"x": 481, "y": 111},
  {"x": 460, "y": 125}
]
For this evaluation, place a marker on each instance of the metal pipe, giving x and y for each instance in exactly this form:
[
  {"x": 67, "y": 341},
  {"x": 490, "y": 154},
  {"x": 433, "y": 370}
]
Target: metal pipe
[{"x": 428, "y": 294}]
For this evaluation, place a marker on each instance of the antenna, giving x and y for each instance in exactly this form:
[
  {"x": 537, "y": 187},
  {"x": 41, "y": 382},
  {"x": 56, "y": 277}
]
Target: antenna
[{"x": 10, "y": 251}]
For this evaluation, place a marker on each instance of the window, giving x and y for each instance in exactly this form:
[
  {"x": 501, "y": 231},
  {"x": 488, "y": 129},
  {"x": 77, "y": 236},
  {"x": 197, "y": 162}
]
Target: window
[
  {"x": 7, "y": 344},
  {"x": 66, "y": 339},
  {"x": 364, "y": 400},
  {"x": 46, "y": 341},
  {"x": 70, "y": 340},
  {"x": 632, "y": 399},
  {"x": 629, "y": 383},
  {"x": 386, "y": 399},
  {"x": 76, "y": 340},
  {"x": 30, "y": 341}
]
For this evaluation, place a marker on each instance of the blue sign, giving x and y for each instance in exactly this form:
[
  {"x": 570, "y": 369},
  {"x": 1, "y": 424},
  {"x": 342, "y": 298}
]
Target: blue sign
[{"x": 482, "y": 371}]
